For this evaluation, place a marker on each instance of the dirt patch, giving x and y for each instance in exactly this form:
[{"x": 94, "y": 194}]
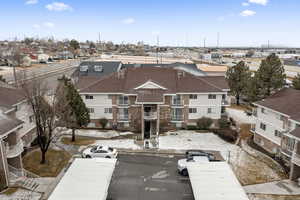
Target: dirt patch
[
  {"x": 79, "y": 141},
  {"x": 273, "y": 197},
  {"x": 9, "y": 191},
  {"x": 55, "y": 161},
  {"x": 240, "y": 107},
  {"x": 250, "y": 171}
]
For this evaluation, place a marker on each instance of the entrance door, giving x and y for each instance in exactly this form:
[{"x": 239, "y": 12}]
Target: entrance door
[{"x": 147, "y": 130}]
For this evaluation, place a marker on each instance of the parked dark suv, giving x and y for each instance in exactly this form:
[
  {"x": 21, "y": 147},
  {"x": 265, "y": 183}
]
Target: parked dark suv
[{"x": 193, "y": 152}]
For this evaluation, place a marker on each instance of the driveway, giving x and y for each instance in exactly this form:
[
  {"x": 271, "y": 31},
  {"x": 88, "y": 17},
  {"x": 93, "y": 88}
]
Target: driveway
[{"x": 145, "y": 177}]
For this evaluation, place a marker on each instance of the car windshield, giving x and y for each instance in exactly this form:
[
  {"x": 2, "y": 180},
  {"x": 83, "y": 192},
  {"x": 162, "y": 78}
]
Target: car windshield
[{"x": 95, "y": 148}]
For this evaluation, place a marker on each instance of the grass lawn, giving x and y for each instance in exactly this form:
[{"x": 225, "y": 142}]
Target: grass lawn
[
  {"x": 10, "y": 191},
  {"x": 79, "y": 140},
  {"x": 56, "y": 160},
  {"x": 274, "y": 197},
  {"x": 245, "y": 131}
]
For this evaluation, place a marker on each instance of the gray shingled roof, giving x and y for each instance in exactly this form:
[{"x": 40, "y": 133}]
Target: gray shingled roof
[
  {"x": 10, "y": 97},
  {"x": 108, "y": 68}
]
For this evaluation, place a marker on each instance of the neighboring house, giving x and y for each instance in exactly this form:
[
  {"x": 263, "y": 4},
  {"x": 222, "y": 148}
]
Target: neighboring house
[
  {"x": 17, "y": 129},
  {"x": 147, "y": 99},
  {"x": 277, "y": 127}
]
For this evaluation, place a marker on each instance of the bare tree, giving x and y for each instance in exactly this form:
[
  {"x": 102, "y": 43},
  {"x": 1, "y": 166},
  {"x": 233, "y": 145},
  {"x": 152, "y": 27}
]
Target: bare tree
[{"x": 44, "y": 108}]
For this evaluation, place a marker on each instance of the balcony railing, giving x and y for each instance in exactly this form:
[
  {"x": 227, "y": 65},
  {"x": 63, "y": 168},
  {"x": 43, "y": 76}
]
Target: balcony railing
[
  {"x": 150, "y": 115},
  {"x": 177, "y": 118},
  {"x": 296, "y": 159},
  {"x": 123, "y": 117},
  {"x": 14, "y": 150},
  {"x": 177, "y": 102},
  {"x": 123, "y": 102}
]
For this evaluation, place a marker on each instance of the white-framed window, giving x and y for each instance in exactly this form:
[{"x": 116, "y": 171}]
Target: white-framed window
[
  {"x": 98, "y": 68},
  {"x": 89, "y": 97},
  {"x": 91, "y": 110},
  {"x": 123, "y": 100},
  {"x": 263, "y": 126},
  {"x": 209, "y": 110},
  {"x": 290, "y": 144},
  {"x": 192, "y": 110},
  {"x": 212, "y": 96},
  {"x": 193, "y": 96},
  {"x": 263, "y": 110},
  {"x": 277, "y": 133},
  {"x": 107, "y": 110}
]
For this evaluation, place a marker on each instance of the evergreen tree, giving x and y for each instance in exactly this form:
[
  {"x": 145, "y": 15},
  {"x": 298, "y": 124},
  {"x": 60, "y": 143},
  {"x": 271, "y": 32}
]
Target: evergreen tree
[
  {"x": 253, "y": 89},
  {"x": 74, "y": 112},
  {"x": 237, "y": 77},
  {"x": 271, "y": 75},
  {"x": 296, "y": 82}
]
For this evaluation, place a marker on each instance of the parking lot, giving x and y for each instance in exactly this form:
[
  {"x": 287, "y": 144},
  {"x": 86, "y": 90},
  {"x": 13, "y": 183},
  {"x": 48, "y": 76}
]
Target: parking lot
[{"x": 146, "y": 177}]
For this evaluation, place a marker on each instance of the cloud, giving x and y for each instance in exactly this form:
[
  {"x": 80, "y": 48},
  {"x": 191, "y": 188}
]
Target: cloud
[
  {"x": 247, "y": 13},
  {"x": 129, "y": 20},
  {"x": 58, "y": 6},
  {"x": 245, "y": 4},
  {"x": 49, "y": 24},
  {"x": 260, "y": 2},
  {"x": 31, "y": 2},
  {"x": 36, "y": 26}
]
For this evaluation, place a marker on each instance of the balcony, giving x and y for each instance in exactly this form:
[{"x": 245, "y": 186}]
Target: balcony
[
  {"x": 150, "y": 115},
  {"x": 123, "y": 117},
  {"x": 296, "y": 159},
  {"x": 123, "y": 103},
  {"x": 177, "y": 118},
  {"x": 14, "y": 150},
  {"x": 177, "y": 102}
]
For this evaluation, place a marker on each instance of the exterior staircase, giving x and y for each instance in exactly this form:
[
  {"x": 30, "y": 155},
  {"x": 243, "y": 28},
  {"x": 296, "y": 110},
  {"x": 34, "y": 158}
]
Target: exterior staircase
[{"x": 23, "y": 178}]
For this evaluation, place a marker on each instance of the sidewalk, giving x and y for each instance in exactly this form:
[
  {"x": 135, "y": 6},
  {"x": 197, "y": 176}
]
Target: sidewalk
[{"x": 283, "y": 187}]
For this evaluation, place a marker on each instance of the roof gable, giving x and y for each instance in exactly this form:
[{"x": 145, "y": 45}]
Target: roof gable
[{"x": 150, "y": 85}]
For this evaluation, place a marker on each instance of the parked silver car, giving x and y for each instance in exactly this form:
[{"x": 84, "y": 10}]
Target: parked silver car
[{"x": 99, "y": 152}]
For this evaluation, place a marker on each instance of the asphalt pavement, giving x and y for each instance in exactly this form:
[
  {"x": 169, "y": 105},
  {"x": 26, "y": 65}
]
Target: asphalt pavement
[{"x": 142, "y": 177}]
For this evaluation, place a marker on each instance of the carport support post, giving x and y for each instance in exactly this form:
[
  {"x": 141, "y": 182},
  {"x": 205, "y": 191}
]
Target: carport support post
[{"x": 142, "y": 121}]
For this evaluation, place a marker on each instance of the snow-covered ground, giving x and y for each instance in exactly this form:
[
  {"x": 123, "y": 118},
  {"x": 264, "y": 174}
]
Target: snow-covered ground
[
  {"x": 97, "y": 133},
  {"x": 240, "y": 116},
  {"x": 119, "y": 143}
]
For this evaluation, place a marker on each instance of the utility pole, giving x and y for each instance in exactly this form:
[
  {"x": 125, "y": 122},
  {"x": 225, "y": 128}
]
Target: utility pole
[
  {"x": 157, "y": 49},
  {"x": 204, "y": 43},
  {"x": 218, "y": 39}
]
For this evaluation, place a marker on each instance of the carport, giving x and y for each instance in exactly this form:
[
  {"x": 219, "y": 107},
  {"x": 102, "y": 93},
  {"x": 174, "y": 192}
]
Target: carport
[
  {"x": 215, "y": 180},
  {"x": 86, "y": 179}
]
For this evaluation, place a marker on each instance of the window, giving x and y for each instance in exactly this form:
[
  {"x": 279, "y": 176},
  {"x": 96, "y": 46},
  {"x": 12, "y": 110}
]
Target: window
[
  {"x": 263, "y": 126},
  {"x": 84, "y": 68},
  {"x": 282, "y": 118},
  {"x": 192, "y": 110},
  {"x": 91, "y": 110},
  {"x": 31, "y": 119},
  {"x": 297, "y": 125},
  {"x": 176, "y": 100},
  {"x": 278, "y": 133},
  {"x": 212, "y": 96},
  {"x": 193, "y": 96},
  {"x": 290, "y": 144},
  {"x": 177, "y": 114},
  {"x": 98, "y": 68},
  {"x": 262, "y": 110},
  {"x": 89, "y": 97},
  {"x": 123, "y": 100},
  {"x": 107, "y": 110},
  {"x": 209, "y": 110}
]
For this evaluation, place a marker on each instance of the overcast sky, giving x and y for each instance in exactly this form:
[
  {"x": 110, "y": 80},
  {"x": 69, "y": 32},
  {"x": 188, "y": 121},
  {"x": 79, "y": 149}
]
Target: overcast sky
[{"x": 177, "y": 22}]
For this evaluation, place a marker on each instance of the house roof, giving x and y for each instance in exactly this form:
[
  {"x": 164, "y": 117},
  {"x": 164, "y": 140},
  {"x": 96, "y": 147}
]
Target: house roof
[
  {"x": 219, "y": 81},
  {"x": 152, "y": 95},
  {"x": 175, "y": 81},
  {"x": 10, "y": 97},
  {"x": 190, "y": 68},
  {"x": 286, "y": 101},
  {"x": 296, "y": 132},
  {"x": 7, "y": 124},
  {"x": 108, "y": 68}
]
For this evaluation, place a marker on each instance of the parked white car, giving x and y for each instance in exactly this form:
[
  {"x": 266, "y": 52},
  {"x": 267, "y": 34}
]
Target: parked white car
[
  {"x": 182, "y": 163},
  {"x": 99, "y": 152}
]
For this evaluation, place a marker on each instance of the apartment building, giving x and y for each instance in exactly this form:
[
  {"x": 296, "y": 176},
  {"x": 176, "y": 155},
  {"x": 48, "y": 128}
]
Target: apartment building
[
  {"x": 17, "y": 130},
  {"x": 146, "y": 98},
  {"x": 277, "y": 127}
]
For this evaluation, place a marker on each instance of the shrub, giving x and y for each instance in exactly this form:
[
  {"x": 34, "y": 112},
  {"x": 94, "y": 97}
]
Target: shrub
[
  {"x": 103, "y": 122},
  {"x": 191, "y": 127},
  {"x": 228, "y": 135},
  {"x": 223, "y": 123},
  {"x": 204, "y": 123}
]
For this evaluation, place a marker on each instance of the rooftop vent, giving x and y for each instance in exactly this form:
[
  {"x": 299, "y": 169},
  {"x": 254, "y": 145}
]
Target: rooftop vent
[
  {"x": 98, "y": 68},
  {"x": 84, "y": 68}
]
